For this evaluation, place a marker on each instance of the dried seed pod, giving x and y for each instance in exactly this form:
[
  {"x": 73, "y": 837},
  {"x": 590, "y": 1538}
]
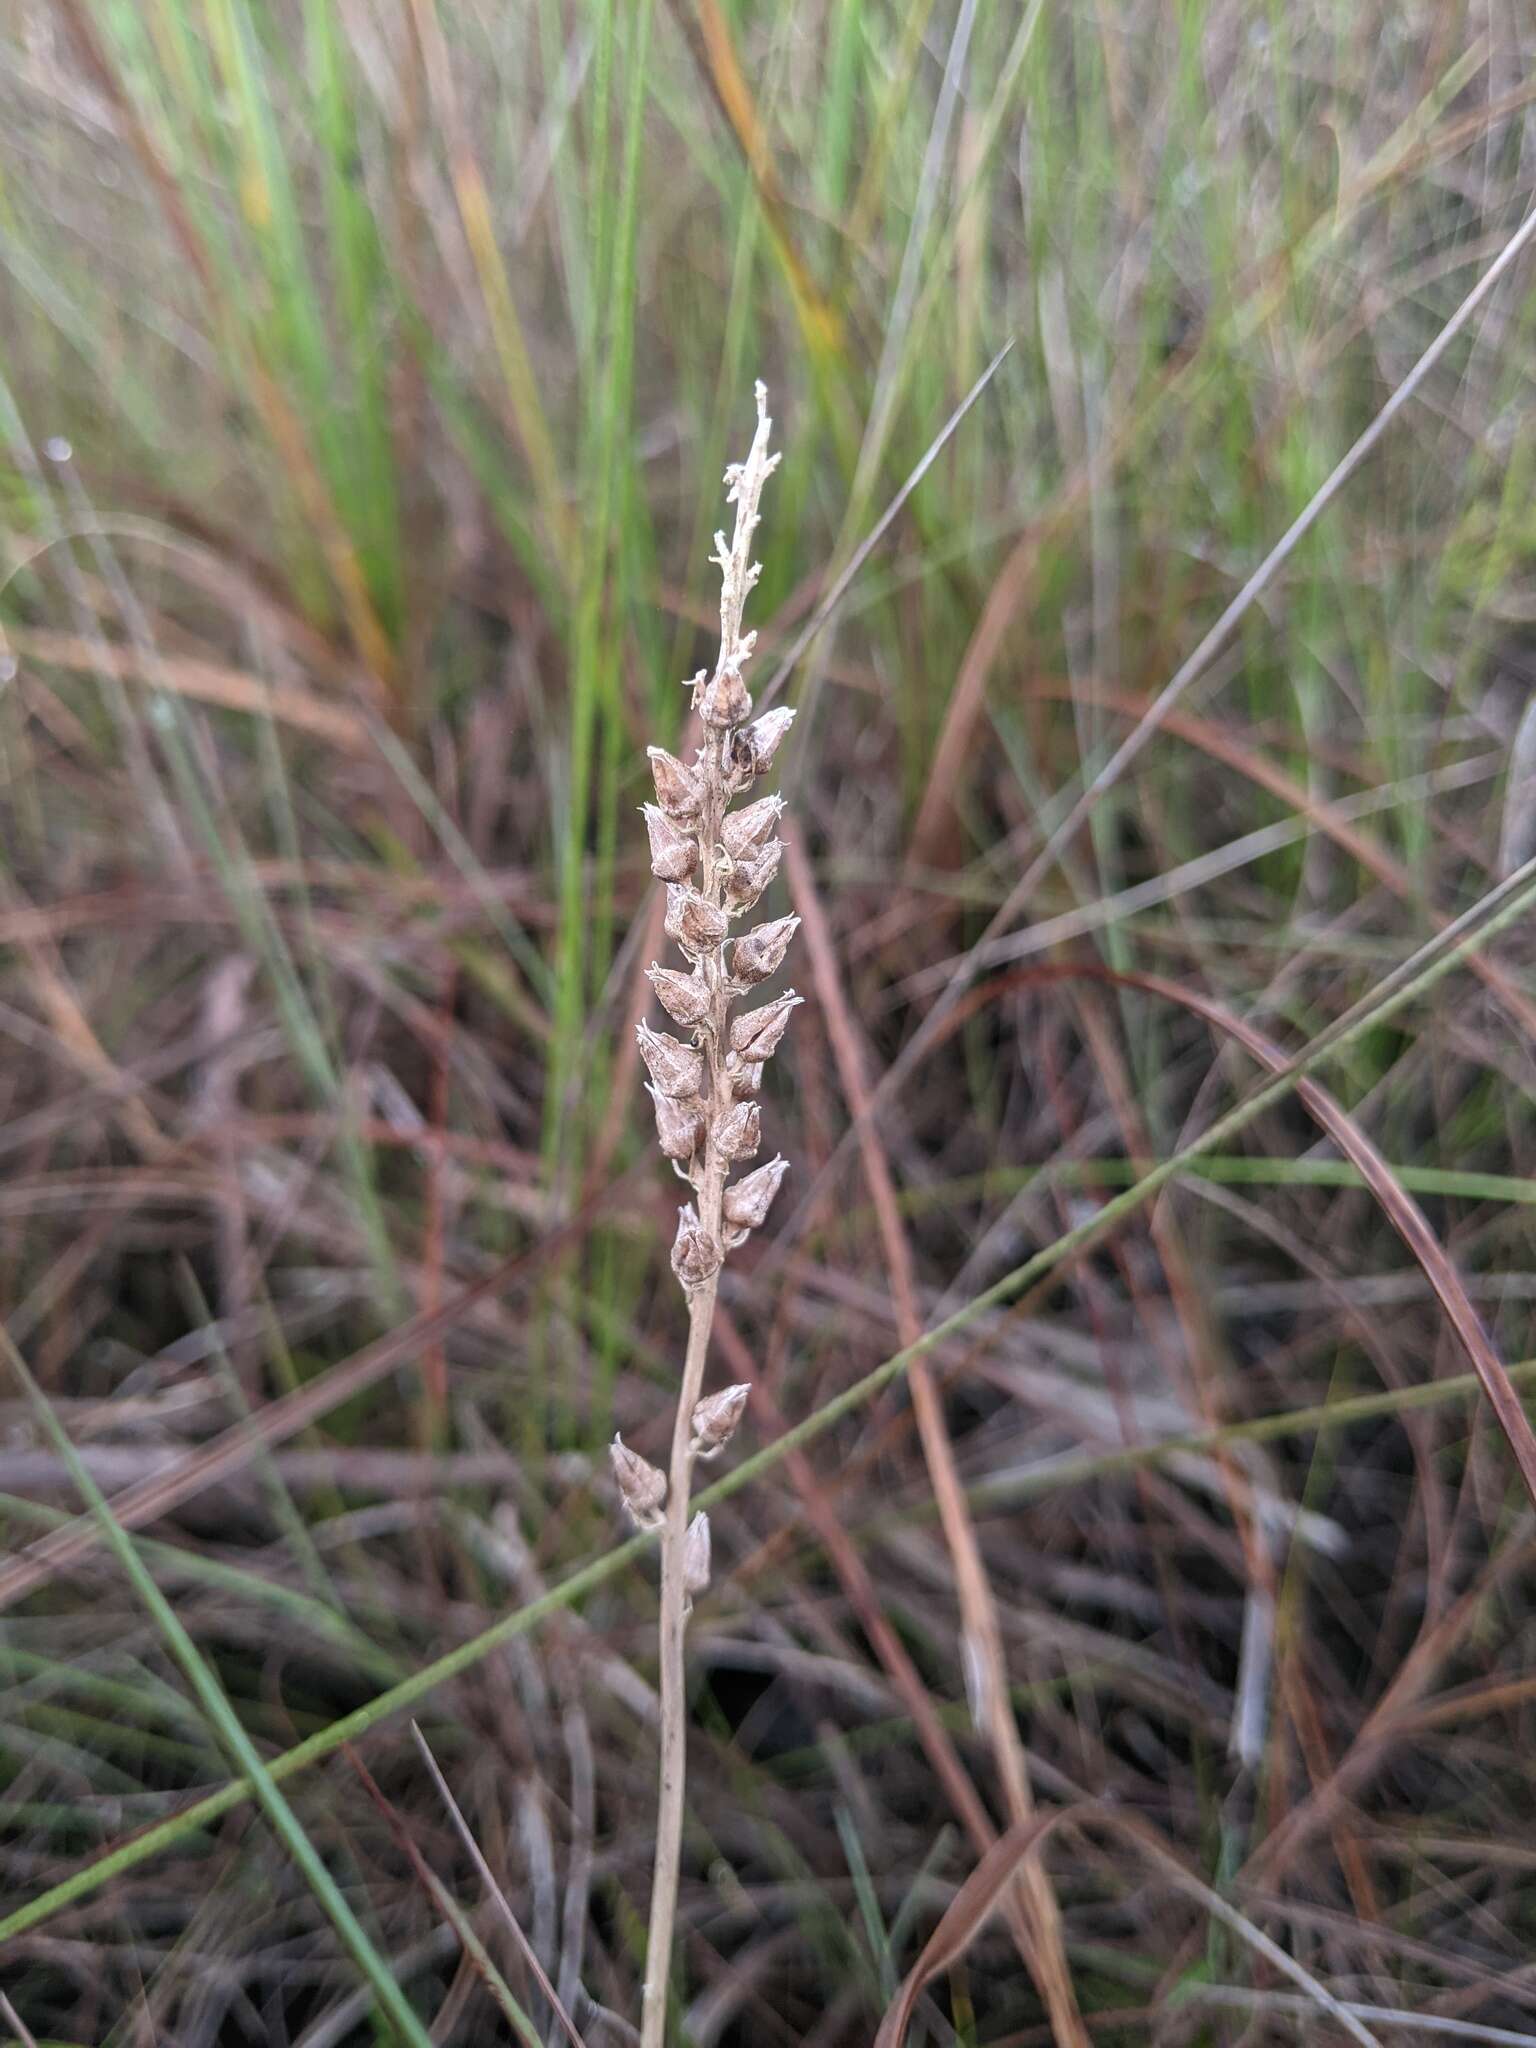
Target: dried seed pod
[
  {"x": 745, "y": 1076},
  {"x": 677, "y": 1069},
  {"x": 740, "y": 762},
  {"x": 749, "y": 878},
  {"x": 695, "y": 1254},
  {"x": 679, "y": 1126},
  {"x": 715, "y": 1419},
  {"x": 684, "y": 997},
  {"x": 693, "y": 921},
  {"x": 740, "y": 1131},
  {"x": 757, "y": 954},
  {"x": 767, "y": 735},
  {"x": 725, "y": 702},
  {"x": 674, "y": 852},
  {"x": 696, "y": 1555},
  {"x": 748, "y": 1202},
  {"x": 641, "y": 1487},
  {"x": 677, "y": 787},
  {"x": 743, "y": 831},
  {"x": 756, "y": 1035}
]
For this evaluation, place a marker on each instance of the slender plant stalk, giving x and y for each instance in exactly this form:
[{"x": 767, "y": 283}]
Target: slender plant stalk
[
  {"x": 674, "y": 1706},
  {"x": 715, "y": 866}
]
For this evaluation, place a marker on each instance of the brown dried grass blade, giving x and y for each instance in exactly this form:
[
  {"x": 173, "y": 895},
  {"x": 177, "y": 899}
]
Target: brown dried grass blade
[
  {"x": 284, "y": 1418},
  {"x": 488, "y": 1879},
  {"x": 714, "y": 51},
  {"x": 1405, "y": 1215},
  {"x": 1045, "y": 1950},
  {"x": 978, "y": 1898},
  {"x": 205, "y": 682}
]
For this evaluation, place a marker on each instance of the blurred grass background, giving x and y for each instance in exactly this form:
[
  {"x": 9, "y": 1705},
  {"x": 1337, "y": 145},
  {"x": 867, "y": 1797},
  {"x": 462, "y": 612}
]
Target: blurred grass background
[{"x": 367, "y": 372}]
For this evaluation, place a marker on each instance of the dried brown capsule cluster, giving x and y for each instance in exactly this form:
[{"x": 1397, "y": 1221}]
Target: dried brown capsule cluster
[{"x": 717, "y": 863}]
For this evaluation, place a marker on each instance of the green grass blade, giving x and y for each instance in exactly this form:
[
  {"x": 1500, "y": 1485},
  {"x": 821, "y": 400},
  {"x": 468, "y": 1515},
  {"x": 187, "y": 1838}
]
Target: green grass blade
[{"x": 223, "y": 1718}]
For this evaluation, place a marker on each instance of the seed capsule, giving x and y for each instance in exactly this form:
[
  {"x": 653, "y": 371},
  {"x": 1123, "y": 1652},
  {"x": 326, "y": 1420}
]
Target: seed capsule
[
  {"x": 757, "y": 954},
  {"x": 696, "y": 1554},
  {"x": 674, "y": 852},
  {"x": 745, "y": 1076},
  {"x": 740, "y": 1131},
  {"x": 693, "y": 921},
  {"x": 677, "y": 787},
  {"x": 715, "y": 1419},
  {"x": 766, "y": 736},
  {"x": 725, "y": 701},
  {"x": 743, "y": 831},
  {"x": 677, "y": 1069},
  {"x": 695, "y": 1255},
  {"x": 641, "y": 1487},
  {"x": 756, "y": 1035},
  {"x": 749, "y": 878},
  {"x": 679, "y": 1125},
  {"x": 748, "y": 1202},
  {"x": 684, "y": 997}
]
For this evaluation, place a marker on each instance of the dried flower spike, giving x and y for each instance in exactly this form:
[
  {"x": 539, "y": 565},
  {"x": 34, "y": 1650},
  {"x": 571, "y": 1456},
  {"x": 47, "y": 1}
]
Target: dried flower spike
[
  {"x": 715, "y": 1419},
  {"x": 716, "y": 865},
  {"x": 641, "y": 1487}
]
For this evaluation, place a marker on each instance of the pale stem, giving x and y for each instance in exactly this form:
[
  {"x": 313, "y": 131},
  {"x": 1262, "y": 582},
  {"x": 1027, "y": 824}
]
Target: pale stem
[{"x": 674, "y": 1707}]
